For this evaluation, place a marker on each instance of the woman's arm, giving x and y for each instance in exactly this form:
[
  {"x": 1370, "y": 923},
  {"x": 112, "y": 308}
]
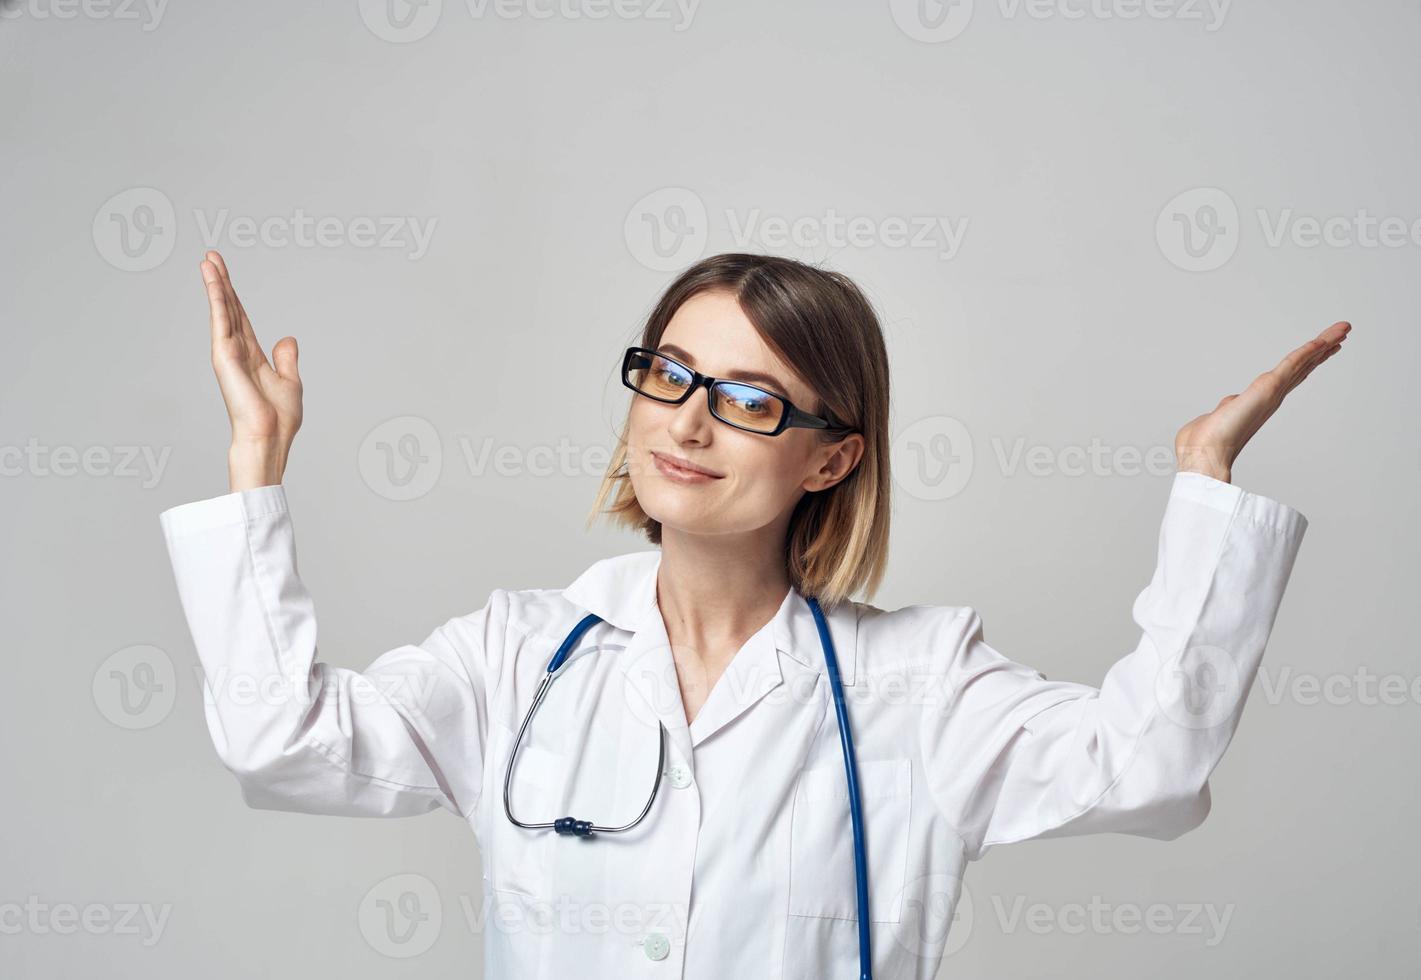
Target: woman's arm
[
  {"x": 404, "y": 736},
  {"x": 1012, "y": 756}
]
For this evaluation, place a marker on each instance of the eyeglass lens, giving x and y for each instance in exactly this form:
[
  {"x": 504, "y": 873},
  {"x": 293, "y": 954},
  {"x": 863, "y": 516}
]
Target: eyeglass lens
[{"x": 739, "y": 404}]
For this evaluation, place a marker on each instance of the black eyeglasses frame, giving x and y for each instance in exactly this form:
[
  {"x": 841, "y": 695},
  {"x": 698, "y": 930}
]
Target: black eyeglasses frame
[{"x": 791, "y": 417}]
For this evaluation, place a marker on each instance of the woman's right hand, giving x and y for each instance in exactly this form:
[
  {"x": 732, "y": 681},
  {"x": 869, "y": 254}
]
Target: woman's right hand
[{"x": 263, "y": 402}]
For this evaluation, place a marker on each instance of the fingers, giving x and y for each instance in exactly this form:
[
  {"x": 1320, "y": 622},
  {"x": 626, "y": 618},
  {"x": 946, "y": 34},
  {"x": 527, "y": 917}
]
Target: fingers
[
  {"x": 1323, "y": 346},
  {"x": 239, "y": 312},
  {"x": 241, "y": 324},
  {"x": 1309, "y": 369},
  {"x": 284, "y": 356},
  {"x": 1309, "y": 355},
  {"x": 217, "y": 309}
]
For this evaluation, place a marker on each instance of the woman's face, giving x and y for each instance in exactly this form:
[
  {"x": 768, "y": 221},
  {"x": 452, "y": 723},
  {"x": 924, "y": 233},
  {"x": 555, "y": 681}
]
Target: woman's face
[{"x": 758, "y": 479}]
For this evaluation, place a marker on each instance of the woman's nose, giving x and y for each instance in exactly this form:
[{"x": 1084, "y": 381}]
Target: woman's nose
[{"x": 693, "y": 416}]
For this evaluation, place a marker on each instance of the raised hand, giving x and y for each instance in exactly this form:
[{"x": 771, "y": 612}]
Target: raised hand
[
  {"x": 1210, "y": 443},
  {"x": 263, "y": 401}
]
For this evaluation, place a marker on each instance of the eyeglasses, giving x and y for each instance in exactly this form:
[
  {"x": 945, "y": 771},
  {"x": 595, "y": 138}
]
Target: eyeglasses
[{"x": 745, "y": 406}]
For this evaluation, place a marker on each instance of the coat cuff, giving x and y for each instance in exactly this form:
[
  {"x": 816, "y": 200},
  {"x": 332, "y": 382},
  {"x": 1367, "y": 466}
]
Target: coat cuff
[
  {"x": 1259, "y": 511},
  {"x": 237, "y": 507}
]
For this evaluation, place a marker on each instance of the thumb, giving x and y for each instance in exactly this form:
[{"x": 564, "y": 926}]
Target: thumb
[{"x": 283, "y": 357}]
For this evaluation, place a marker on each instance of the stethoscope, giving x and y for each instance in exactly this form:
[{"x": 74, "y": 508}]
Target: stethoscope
[{"x": 570, "y": 826}]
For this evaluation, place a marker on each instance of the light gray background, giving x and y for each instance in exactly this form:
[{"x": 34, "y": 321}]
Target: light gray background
[{"x": 543, "y": 148}]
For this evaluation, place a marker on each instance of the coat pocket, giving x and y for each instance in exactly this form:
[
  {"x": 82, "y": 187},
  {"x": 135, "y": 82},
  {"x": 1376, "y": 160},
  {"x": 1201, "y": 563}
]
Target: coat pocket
[{"x": 821, "y": 879}]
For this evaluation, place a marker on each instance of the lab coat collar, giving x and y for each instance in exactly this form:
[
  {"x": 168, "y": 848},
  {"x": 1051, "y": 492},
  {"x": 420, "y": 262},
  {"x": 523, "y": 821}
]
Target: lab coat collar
[{"x": 622, "y": 591}]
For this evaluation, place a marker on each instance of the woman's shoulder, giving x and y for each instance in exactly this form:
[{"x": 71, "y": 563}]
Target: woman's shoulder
[
  {"x": 914, "y": 635},
  {"x": 620, "y": 589}
]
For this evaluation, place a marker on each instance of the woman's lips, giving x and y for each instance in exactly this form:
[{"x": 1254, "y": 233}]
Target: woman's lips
[{"x": 680, "y": 474}]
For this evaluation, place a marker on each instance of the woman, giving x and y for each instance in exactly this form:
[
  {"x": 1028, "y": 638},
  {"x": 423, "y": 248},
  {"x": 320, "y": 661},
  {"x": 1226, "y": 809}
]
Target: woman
[{"x": 696, "y": 729}]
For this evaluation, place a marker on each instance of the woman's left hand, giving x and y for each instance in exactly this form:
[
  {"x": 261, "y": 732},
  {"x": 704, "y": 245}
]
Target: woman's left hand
[{"x": 1210, "y": 443}]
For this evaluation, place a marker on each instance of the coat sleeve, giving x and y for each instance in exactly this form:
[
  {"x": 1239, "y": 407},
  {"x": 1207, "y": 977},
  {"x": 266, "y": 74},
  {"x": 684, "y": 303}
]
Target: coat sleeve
[
  {"x": 404, "y": 736},
  {"x": 1012, "y": 756}
]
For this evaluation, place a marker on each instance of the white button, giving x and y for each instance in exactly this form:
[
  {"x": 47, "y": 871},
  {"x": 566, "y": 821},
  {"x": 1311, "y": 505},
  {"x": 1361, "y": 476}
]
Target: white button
[
  {"x": 657, "y": 946},
  {"x": 680, "y": 776}
]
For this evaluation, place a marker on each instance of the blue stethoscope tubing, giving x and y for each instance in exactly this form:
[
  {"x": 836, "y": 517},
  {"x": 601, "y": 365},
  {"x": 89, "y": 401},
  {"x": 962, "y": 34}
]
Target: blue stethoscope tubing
[
  {"x": 851, "y": 774},
  {"x": 846, "y": 741}
]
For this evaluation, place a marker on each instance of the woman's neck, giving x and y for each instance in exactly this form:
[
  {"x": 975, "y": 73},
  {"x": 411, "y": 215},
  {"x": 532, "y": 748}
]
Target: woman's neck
[{"x": 712, "y": 599}]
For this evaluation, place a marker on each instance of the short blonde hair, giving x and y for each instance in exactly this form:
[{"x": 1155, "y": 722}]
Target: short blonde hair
[{"x": 821, "y": 324}]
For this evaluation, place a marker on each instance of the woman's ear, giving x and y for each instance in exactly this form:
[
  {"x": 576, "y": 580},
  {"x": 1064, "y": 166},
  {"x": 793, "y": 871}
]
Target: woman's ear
[{"x": 836, "y": 461}]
